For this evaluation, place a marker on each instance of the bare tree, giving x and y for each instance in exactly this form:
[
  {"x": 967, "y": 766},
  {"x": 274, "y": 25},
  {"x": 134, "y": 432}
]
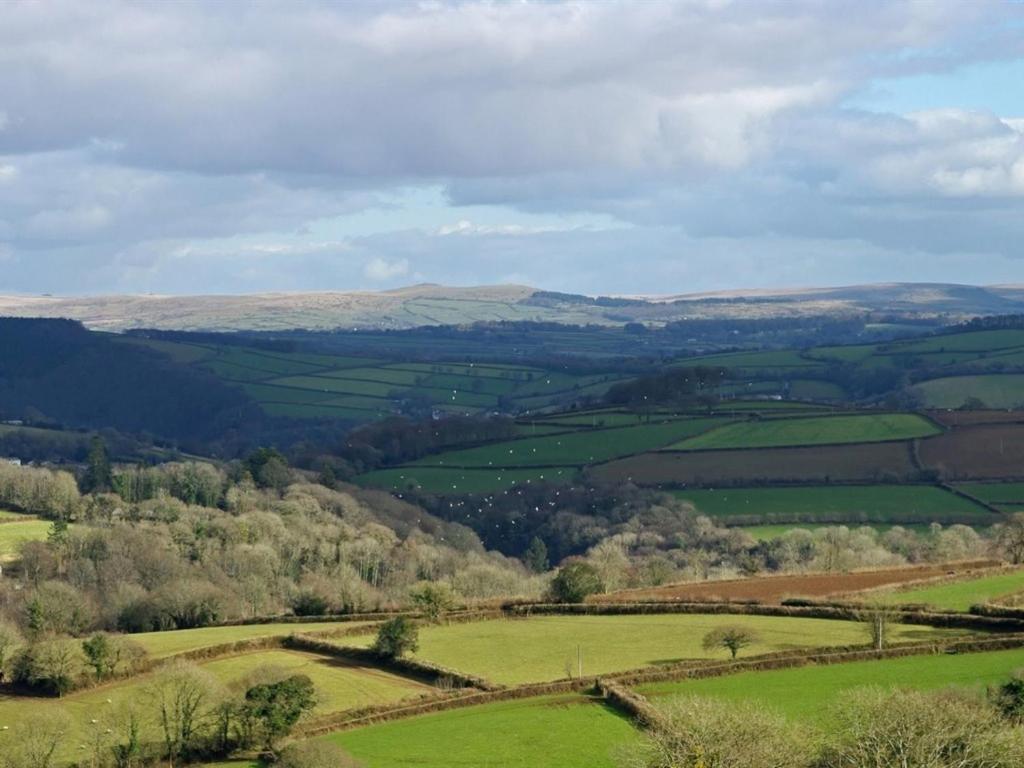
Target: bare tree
[
  {"x": 183, "y": 698},
  {"x": 878, "y": 619},
  {"x": 732, "y": 638}
]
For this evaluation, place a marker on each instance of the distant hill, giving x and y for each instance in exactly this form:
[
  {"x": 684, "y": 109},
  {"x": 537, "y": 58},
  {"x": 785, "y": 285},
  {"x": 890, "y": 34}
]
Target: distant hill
[{"x": 433, "y": 305}]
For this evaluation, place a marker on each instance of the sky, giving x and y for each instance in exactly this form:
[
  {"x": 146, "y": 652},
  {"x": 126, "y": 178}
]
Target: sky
[{"x": 592, "y": 147}]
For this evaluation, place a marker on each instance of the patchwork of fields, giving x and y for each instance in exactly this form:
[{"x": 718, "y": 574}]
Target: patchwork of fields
[
  {"x": 805, "y": 693},
  {"x": 300, "y": 385},
  {"x": 516, "y": 651},
  {"x": 850, "y": 504}
]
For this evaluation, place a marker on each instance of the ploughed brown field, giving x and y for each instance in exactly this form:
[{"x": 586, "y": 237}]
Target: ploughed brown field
[
  {"x": 817, "y": 464},
  {"x": 971, "y": 418},
  {"x": 773, "y": 589},
  {"x": 980, "y": 452}
]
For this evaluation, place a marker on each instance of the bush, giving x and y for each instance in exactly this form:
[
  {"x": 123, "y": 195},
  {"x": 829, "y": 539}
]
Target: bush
[
  {"x": 708, "y": 733},
  {"x": 575, "y": 582},
  {"x": 396, "y": 638}
]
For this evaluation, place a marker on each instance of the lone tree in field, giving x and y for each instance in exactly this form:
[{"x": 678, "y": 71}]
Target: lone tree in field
[
  {"x": 731, "y": 638},
  {"x": 878, "y": 619},
  {"x": 396, "y": 638}
]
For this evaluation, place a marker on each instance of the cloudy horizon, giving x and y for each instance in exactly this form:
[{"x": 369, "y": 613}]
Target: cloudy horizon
[{"x": 613, "y": 147}]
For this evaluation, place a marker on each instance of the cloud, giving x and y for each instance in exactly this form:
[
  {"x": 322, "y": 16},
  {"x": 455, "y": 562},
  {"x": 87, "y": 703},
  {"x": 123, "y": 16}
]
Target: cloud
[
  {"x": 380, "y": 270},
  {"x": 188, "y": 137}
]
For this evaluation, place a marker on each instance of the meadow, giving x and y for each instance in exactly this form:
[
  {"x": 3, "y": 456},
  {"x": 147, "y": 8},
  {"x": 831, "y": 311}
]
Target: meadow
[
  {"x": 163, "y": 644},
  {"x": 568, "y": 731},
  {"x": 805, "y": 693},
  {"x": 302, "y": 385},
  {"x": 837, "y": 504},
  {"x": 15, "y": 533},
  {"x": 961, "y": 595},
  {"x": 514, "y": 651},
  {"x": 994, "y": 390},
  {"x": 574, "y": 449},
  {"x": 817, "y": 430},
  {"x": 339, "y": 686}
]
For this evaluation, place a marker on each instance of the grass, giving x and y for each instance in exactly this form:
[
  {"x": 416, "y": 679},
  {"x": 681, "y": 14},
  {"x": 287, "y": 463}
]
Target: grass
[
  {"x": 961, "y": 595},
  {"x": 831, "y": 503},
  {"x": 575, "y": 449},
  {"x": 768, "y": 532},
  {"x": 995, "y": 391},
  {"x": 163, "y": 644},
  {"x": 816, "y": 430},
  {"x": 995, "y": 493},
  {"x": 567, "y": 731},
  {"x": 339, "y": 685},
  {"x": 514, "y": 651},
  {"x": 13, "y": 535},
  {"x": 442, "y": 480},
  {"x": 806, "y": 692}
]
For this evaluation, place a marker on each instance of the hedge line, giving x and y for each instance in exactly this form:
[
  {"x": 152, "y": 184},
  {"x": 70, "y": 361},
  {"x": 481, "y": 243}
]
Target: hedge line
[
  {"x": 629, "y": 701},
  {"x": 405, "y": 666},
  {"x": 814, "y": 611}
]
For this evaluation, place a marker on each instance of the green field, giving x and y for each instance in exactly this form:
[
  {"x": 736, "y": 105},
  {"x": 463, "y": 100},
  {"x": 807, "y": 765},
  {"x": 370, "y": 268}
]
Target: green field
[
  {"x": 455, "y": 481},
  {"x": 574, "y": 449},
  {"x": 961, "y": 595},
  {"x": 768, "y": 532},
  {"x": 513, "y": 651},
  {"x": 163, "y": 644},
  {"x": 994, "y": 390},
  {"x": 806, "y": 692},
  {"x": 339, "y": 685},
  {"x": 13, "y": 535},
  {"x": 995, "y": 493},
  {"x": 837, "y": 504},
  {"x": 552, "y": 732},
  {"x": 816, "y": 430}
]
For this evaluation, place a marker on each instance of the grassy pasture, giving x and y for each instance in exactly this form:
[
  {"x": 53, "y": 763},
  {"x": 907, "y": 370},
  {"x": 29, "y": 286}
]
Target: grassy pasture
[
  {"x": 339, "y": 686},
  {"x": 837, "y": 504},
  {"x": 567, "y": 731},
  {"x": 575, "y": 449},
  {"x": 816, "y": 430},
  {"x": 972, "y": 341},
  {"x": 768, "y": 532},
  {"x": 444, "y": 480},
  {"x": 995, "y": 493},
  {"x": 14, "y": 534},
  {"x": 961, "y": 595},
  {"x": 994, "y": 390},
  {"x": 513, "y": 651},
  {"x": 771, "y": 359},
  {"x": 163, "y": 644},
  {"x": 805, "y": 693}
]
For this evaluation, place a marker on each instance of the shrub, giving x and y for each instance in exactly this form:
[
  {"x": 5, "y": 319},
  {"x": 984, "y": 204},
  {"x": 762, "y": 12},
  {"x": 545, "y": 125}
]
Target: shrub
[
  {"x": 708, "y": 733},
  {"x": 575, "y": 582},
  {"x": 396, "y": 638},
  {"x": 432, "y": 599},
  {"x": 316, "y": 754}
]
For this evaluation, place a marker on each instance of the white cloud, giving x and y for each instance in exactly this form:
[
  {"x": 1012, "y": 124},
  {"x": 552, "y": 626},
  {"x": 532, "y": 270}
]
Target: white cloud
[
  {"x": 220, "y": 144},
  {"x": 380, "y": 270}
]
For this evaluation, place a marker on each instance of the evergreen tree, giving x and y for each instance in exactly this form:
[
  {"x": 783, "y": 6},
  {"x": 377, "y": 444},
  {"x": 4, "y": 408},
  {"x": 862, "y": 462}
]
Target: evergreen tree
[
  {"x": 97, "y": 478},
  {"x": 536, "y": 556}
]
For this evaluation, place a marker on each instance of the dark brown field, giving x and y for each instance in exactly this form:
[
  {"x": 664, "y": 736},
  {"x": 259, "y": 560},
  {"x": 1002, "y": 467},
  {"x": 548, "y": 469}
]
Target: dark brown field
[
  {"x": 974, "y": 418},
  {"x": 870, "y": 462},
  {"x": 773, "y": 589},
  {"x": 980, "y": 453}
]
